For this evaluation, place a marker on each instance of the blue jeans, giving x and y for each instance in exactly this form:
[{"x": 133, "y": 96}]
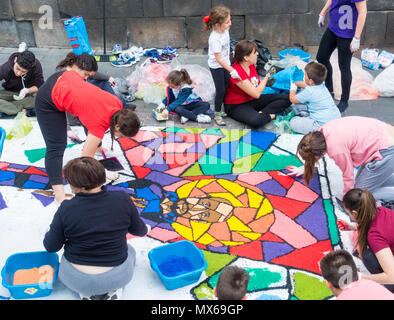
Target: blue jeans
[
  {"x": 302, "y": 122},
  {"x": 192, "y": 110}
]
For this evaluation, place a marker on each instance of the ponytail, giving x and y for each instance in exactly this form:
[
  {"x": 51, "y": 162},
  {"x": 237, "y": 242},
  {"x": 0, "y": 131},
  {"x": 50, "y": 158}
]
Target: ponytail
[
  {"x": 363, "y": 202},
  {"x": 311, "y": 148},
  {"x": 218, "y": 15},
  {"x": 179, "y": 78},
  {"x": 83, "y": 61},
  {"x": 128, "y": 122}
]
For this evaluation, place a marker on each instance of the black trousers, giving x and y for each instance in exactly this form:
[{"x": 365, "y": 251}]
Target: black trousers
[
  {"x": 328, "y": 43},
  {"x": 373, "y": 266},
  {"x": 221, "y": 77},
  {"x": 249, "y": 112}
]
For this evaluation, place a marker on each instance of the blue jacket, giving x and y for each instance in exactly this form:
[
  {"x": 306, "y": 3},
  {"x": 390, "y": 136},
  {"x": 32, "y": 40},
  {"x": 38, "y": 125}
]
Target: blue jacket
[{"x": 172, "y": 102}]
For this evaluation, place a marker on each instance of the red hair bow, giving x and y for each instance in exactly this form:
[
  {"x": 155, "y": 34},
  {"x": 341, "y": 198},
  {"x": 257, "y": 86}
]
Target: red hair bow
[{"x": 206, "y": 18}]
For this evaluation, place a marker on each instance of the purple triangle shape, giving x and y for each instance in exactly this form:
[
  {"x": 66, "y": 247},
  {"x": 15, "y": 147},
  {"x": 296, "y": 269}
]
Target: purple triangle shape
[
  {"x": 273, "y": 250},
  {"x": 3, "y": 205},
  {"x": 314, "y": 220},
  {"x": 45, "y": 200},
  {"x": 272, "y": 187}
]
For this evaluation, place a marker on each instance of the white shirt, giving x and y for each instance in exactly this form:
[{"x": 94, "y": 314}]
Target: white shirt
[{"x": 218, "y": 43}]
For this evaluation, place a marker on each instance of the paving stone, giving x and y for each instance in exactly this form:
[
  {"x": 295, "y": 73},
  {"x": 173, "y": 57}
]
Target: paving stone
[
  {"x": 374, "y": 33},
  {"x": 305, "y": 30},
  {"x": 181, "y": 8},
  {"x": 153, "y": 8},
  {"x": 30, "y": 9}
]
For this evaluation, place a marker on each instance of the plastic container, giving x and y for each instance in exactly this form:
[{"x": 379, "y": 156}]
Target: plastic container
[
  {"x": 295, "y": 52},
  {"x": 29, "y": 260},
  {"x": 177, "y": 264}
]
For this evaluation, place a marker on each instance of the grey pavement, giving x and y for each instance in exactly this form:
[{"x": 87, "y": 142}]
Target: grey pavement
[{"x": 381, "y": 108}]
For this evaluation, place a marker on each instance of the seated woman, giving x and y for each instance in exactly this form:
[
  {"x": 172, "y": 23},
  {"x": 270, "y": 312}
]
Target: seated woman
[
  {"x": 244, "y": 101},
  {"x": 97, "y": 261}
]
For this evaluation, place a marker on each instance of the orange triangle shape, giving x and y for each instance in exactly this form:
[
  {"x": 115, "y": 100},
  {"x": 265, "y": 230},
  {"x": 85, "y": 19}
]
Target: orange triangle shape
[
  {"x": 214, "y": 187},
  {"x": 262, "y": 224},
  {"x": 246, "y": 215},
  {"x": 197, "y": 193},
  {"x": 34, "y": 170}
]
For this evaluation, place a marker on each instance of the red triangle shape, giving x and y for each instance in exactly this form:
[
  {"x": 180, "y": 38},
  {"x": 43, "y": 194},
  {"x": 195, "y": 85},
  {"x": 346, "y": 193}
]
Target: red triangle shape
[
  {"x": 284, "y": 181},
  {"x": 252, "y": 250},
  {"x": 306, "y": 258},
  {"x": 189, "y": 137},
  {"x": 141, "y": 172},
  {"x": 270, "y": 237},
  {"x": 175, "y": 160},
  {"x": 127, "y": 143},
  {"x": 290, "y": 207},
  {"x": 34, "y": 170}
]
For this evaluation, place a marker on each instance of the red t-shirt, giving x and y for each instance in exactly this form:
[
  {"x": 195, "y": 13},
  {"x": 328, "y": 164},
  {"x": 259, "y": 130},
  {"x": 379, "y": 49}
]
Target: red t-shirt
[
  {"x": 234, "y": 95},
  {"x": 93, "y": 106},
  {"x": 381, "y": 232}
]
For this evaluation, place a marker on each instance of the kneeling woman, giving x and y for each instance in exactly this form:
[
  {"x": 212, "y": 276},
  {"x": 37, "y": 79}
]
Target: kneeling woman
[
  {"x": 97, "y": 261},
  {"x": 243, "y": 101},
  {"x": 98, "y": 110}
]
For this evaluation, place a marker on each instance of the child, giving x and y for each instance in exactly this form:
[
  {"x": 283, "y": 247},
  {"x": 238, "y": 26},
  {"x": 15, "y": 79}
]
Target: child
[
  {"x": 97, "y": 261},
  {"x": 219, "y": 21},
  {"x": 232, "y": 284},
  {"x": 182, "y": 100},
  {"x": 320, "y": 106},
  {"x": 375, "y": 238},
  {"x": 340, "y": 273}
]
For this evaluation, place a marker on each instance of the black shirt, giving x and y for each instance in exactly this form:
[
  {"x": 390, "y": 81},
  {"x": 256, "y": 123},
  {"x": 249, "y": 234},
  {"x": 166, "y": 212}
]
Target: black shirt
[{"x": 93, "y": 228}]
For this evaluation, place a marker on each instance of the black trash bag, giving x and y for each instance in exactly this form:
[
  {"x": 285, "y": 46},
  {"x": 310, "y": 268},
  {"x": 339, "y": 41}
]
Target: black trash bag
[{"x": 263, "y": 57}]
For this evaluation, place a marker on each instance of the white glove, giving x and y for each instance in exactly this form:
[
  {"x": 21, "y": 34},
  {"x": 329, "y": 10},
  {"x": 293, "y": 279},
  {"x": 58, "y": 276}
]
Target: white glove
[
  {"x": 355, "y": 44},
  {"x": 293, "y": 86},
  {"x": 234, "y": 74},
  {"x": 112, "y": 81},
  {"x": 149, "y": 228},
  {"x": 22, "y": 94},
  {"x": 295, "y": 171},
  {"x": 111, "y": 175},
  {"x": 320, "y": 22}
]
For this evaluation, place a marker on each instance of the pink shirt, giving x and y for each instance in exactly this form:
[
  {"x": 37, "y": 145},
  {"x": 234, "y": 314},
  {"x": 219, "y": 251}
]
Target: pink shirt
[
  {"x": 381, "y": 232},
  {"x": 354, "y": 141},
  {"x": 365, "y": 290}
]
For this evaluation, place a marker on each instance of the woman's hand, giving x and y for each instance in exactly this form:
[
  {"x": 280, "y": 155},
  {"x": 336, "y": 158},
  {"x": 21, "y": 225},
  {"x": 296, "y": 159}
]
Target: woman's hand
[
  {"x": 295, "y": 171},
  {"x": 345, "y": 226}
]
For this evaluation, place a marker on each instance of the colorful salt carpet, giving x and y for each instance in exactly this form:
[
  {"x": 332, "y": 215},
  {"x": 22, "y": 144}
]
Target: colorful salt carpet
[{"x": 224, "y": 190}]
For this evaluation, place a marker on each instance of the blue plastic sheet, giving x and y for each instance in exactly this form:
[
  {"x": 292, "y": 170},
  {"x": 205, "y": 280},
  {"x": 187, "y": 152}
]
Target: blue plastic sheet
[
  {"x": 78, "y": 36},
  {"x": 285, "y": 77}
]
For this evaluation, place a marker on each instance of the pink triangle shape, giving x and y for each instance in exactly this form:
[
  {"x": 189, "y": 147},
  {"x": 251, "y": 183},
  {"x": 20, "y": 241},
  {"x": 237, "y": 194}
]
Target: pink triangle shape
[
  {"x": 209, "y": 140},
  {"x": 301, "y": 193}
]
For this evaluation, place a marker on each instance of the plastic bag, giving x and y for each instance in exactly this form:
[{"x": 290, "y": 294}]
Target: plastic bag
[
  {"x": 77, "y": 35},
  {"x": 288, "y": 62},
  {"x": 282, "y": 123},
  {"x": 362, "y": 84},
  {"x": 22, "y": 127},
  {"x": 369, "y": 58},
  {"x": 385, "y": 59},
  {"x": 285, "y": 77},
  {"x": 384, "y": 82},
  {"x": 151, "y": 92}
]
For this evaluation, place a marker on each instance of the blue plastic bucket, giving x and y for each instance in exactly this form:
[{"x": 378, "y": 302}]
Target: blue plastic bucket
[
  {"x": 177, "y": 264},
  {"x": 29, "y": 260},
  {"x": 294, "y": 52}
]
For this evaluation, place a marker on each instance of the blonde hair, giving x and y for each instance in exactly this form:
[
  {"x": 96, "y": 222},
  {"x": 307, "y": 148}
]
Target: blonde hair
[
  {"x": 363, "y": 202},
  {"x": 218, "y": 15}
]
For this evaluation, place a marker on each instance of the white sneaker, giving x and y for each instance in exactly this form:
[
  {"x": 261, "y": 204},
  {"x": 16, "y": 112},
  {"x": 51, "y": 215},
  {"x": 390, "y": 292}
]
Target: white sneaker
[
  {"x": 184, "y": 120},
  {"x": 203, "y": 118}
]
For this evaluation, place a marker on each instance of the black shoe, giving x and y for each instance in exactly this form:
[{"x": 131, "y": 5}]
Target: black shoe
[
  {"x": 130, "y": 106},
  {"x": 343, "y": 105},
  {"x": 30, "y": 112}
]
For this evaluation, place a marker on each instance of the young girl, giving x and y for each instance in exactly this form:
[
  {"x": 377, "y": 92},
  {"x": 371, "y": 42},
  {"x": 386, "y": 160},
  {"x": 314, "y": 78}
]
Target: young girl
[
  {"x": 97, "y": 261},
  {"x": 352, "y": 142},
  {"x": 219, "y": 21},
  {"x": 182, "y": 100},
  {"x": 375, "y": 239}
]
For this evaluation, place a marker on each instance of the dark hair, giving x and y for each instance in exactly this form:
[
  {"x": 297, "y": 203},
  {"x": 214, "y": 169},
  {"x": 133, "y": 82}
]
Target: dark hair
[
  {"x": 128, "y": 122},
  {"x": 311, "y": 147},
  {"x": 217, "y": 15},
  {"x": 84, "y": 172},
  {"x": 26, "y": 60},
  {"x": 243, "y": 49},
  {"x": 316, "y": 71},
  {"x": 333, "y": 267},
  {"x": 178, "y": 78},
  {"x": 83, "y": 61},
  {"x": 364, "y": 203},
  {"x": 232, "y": 283}
]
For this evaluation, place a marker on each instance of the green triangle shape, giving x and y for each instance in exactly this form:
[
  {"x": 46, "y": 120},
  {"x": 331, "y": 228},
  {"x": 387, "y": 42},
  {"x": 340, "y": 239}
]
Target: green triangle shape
[
  {"x": 246, "y": 149},
  {"x": 174, "y": 129},
  {"x": 35, "y": 155},
  {"x": 273, "y": 162},
  {"x": 193, "y": 171},
  {"x": 204, "y": 291},
  {"x": 195, "y": 130},
  {"x": 246, "y": 164},
  {"x": 216, "y": 261},
  {"x": 303, "y": 284},
  {"x": 214, "y": 131},
  {"x": 212, "y": 166},
  {"x": 232, "y": 135}
]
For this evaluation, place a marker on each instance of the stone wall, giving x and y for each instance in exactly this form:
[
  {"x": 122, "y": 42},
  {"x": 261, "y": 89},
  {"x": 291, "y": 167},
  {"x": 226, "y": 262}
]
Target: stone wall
[{"x": 178, "y": 23}]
